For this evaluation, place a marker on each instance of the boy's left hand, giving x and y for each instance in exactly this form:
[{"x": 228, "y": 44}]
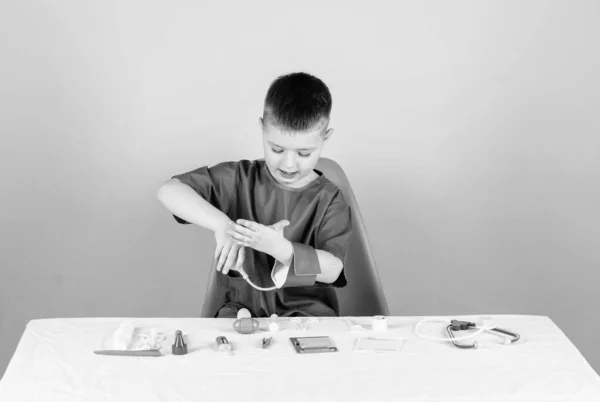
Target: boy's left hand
[{"x": 266, "y": 239}]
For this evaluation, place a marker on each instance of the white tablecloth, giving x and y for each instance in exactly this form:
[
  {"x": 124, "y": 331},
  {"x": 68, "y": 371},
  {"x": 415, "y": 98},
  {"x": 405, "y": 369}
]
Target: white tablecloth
[{"x": 54, "y": 362}]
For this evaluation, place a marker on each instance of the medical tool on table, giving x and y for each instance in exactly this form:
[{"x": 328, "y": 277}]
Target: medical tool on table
[
  {"x": 179, "y": 347},
  {"x": 154, "y": 353},
  {"x": 223, "y": 344},
  {"x": 245, "y": 325},
  {"x": 244, "y": 313},
  {"x": 376, "y": 344},
  {"x": 379, "y": 323},
  {"x": 266, "y": 342},
  {"x": 126, "y": 341},
  {"x": 123, "y": 336},
  {"x": 313, "y": 344},
  {"x": 273, "y": 325},
  {"x": 458, "y": 325},
  {"x": 303, "y": 322}
]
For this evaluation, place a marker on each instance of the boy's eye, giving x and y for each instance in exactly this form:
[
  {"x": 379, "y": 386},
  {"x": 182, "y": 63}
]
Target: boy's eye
[{"x": 278, "y": 151}]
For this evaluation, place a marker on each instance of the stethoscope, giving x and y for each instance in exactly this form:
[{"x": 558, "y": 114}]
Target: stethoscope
[{"x": 458, "y": 325}]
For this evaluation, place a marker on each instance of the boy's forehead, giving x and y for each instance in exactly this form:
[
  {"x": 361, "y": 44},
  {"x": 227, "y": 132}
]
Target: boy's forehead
[{"x": 293, "y": 140}]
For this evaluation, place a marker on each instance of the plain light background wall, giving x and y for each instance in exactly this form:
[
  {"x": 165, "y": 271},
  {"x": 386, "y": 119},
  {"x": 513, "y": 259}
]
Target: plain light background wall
[{"x": 469, "y": 131}]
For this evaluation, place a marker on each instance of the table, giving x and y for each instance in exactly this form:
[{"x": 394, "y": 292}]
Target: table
[{"x": 54, "y": 362}]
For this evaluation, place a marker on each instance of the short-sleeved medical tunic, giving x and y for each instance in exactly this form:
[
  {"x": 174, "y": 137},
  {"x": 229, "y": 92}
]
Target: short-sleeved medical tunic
[{"x": 319, "y": 218}]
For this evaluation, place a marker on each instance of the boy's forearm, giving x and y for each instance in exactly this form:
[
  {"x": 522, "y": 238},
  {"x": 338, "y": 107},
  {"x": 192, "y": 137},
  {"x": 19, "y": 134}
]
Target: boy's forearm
[
  {"x": 182, "y": 201},
  {"x": 284, "y": 253}
]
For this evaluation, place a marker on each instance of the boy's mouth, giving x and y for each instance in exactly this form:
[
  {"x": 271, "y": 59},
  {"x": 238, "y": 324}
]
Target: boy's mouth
[{"x": 287, "y": 175}]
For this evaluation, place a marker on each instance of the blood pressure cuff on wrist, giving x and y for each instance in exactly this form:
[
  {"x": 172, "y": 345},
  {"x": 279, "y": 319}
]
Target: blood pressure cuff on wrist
[{"x": 305, "y": 267}]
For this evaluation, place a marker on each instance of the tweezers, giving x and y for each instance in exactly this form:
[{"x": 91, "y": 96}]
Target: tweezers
[
  {"x": 266, "y": 342},
  {"x": 153, "y": 352}
]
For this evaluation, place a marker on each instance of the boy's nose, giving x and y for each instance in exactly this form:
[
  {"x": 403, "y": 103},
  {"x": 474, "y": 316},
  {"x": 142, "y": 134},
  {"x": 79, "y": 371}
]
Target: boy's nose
[{"x": 289, "y": 161}]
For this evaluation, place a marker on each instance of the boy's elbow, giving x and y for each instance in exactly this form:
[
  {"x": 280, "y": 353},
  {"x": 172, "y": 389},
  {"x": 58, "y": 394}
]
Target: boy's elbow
[
  {"x": 164, "y": 190},
  {"x": 160, "y": 194},
  {"x": 337, "y": 271},
  {"x": 333, "y": 271}
]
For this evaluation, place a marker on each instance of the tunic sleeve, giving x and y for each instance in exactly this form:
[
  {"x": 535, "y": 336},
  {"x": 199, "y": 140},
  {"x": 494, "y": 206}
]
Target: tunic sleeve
[
  {"x": 215, "y": 184},
  {"x": 333, "y": 234}
]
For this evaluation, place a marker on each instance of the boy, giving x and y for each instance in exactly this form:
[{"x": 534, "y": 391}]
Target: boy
[{"x": 280, "y": 220}]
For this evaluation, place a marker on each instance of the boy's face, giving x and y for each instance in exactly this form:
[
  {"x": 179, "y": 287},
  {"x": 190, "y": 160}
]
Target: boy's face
[{"x": 292, "y": 156}]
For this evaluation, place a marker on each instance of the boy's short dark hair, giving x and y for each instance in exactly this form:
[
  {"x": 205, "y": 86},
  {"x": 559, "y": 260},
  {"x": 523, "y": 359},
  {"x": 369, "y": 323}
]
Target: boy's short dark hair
[{"x": 297, "y": 102}]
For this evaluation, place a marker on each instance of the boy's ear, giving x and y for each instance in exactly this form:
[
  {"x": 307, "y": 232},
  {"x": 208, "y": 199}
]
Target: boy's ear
[
  {"x": 327, "y": 135},
  {"x": 261, "y": 123}
]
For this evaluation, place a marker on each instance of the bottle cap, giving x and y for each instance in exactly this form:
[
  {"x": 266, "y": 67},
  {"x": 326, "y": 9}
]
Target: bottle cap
[
  {"x": 273, "y": 326},
  {"x": 179, "y": 347}
]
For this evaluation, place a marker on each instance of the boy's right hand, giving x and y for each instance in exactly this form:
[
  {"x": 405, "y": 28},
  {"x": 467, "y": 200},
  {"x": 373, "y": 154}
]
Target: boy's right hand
[{"x": 229, "y": 255}]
